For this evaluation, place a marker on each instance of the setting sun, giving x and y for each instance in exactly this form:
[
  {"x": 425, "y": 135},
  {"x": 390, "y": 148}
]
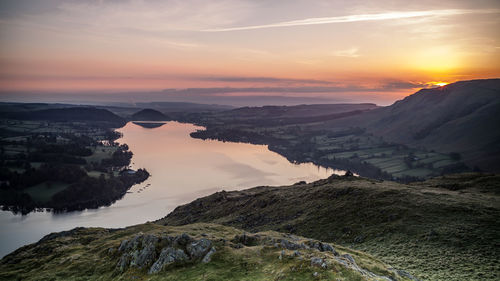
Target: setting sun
[{"x": 440, "y": 84}]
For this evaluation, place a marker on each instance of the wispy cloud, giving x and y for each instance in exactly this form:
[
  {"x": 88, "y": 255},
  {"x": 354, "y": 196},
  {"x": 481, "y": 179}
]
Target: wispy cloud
[
  {"x": 356, "y": 18},
  {"x": 238, "y": 79},
  {"x": 384, "y": 87},
  {"x": 350, "y": 53}
]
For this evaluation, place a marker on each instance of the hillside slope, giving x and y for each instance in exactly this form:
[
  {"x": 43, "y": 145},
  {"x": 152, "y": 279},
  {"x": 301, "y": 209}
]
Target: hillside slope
[
  {"x": 460, "y": 117},
  {"x": 193, "y": 252},
  {"x": 443, "y": 229}
]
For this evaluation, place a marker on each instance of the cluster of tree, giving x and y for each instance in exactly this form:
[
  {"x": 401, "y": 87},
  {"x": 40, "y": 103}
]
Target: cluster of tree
[
  {"x": 95, "y": 192},
  {"x": 46, "y": 172},
  {"x": 119, "y": 158},
  {"x": 84, "y": 192}
]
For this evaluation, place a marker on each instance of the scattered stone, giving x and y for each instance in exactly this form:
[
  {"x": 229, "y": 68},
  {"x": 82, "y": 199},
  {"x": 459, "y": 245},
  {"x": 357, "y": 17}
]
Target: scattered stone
[
  {"x": 208, "y": 257},
  {"x": 199, "y": 248},
  {"x": 123, "y": 262},
  {"x": 123, "y": 246},
  {"x": 359, "y": 239},
  {"x": 349, "y": 258},
  {"x": 168, "y": 256},
  {"x": 315, "y": 261},
  {"x": 297, "y": 253},
  {"x": 290, "y": 245},
  {"x": 182, "y": 240},
  {"x": 282, "y": 254},
  {"x": 145, "y": 257},
  {"x": 322, "y": 247},
  {"x": 315, "y": 274}
]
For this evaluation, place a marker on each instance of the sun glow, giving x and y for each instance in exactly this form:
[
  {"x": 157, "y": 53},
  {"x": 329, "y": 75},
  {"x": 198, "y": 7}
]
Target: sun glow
[{"x": 440, "y": 84}]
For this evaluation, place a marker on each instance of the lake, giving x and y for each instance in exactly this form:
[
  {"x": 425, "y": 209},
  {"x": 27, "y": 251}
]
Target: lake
[{"x": 182, "y": 169}]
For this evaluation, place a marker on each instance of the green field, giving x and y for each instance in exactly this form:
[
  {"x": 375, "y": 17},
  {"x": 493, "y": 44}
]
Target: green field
[
  {"x": 99, "y": 153},
  {"x": 43, "y": 192}
]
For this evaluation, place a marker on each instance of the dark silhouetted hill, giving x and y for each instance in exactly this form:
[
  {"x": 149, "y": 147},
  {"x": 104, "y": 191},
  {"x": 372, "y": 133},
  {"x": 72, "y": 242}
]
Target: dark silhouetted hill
[
  {"x": 149, "y": 115},
  {"x": 87, "y": 114}
]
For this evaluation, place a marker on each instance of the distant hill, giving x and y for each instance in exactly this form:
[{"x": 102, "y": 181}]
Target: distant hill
[
  {"x": 296, "y": 111},
  {"x": 149, "y": 115},
  {"x": 182, "y": 106},
  {"x": 462, "y": 117},
  {"x": 89, "y": 114}
]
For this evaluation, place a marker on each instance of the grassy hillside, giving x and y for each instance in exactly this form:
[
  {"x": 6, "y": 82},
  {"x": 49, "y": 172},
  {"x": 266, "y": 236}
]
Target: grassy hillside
[
  {"x": 461, "y": 117},
  {"x": 97, "y": 254},
  {"x": 442, "y": 229}
]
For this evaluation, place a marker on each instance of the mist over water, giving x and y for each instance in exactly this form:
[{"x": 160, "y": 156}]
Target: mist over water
[{"x": 182, "y": 169}]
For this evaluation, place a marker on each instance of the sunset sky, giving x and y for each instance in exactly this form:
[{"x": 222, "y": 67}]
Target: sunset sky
[{"x": 324, "y": 51}]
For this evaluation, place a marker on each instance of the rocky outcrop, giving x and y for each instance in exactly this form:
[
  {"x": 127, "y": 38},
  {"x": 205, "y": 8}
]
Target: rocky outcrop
[
  {"x": 157, "y": 252},
  {"x": 168, "y": 256}
]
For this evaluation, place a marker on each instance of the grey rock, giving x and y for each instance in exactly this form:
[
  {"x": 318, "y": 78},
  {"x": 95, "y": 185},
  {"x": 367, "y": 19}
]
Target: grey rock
[
  {"x": 123, "y": 262},
  {"x": 133, "y": 257},
  {"x": 315, "y": 261},
  {"x": 208, "y": 257},
  {"x": 182, "y": 240},
  {"x": 349, "y": 258},
  {"x": 168, "y": 256},
  {"x": 328, "y": 248},
  {"x": 322, "y": 247},
  {"x": 290, "y": 245},
  {"x": 282, "y": 255},
  {"x": 149, "y": 239},
  {"x": 297, "y": 253},
  {"x": 134, "y": 243},
  {"x": 198, "y": 248},
  {"x": 123, "y": 246},
  {"x": 145, "y": 257}
]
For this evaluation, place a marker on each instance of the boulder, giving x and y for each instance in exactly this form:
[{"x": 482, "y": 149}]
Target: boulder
[
  {"x": 198, "y": 248},
  {"x": 182, "y": 240},
  {"x": 168, "y": 256},
  {"x": 145, "y": 257},
  {"x": 123, "y": 262},
  {"x": 208, "y": 257},
  {"x": 290, "y": 245},
  {"x": 319, "y": 262}
]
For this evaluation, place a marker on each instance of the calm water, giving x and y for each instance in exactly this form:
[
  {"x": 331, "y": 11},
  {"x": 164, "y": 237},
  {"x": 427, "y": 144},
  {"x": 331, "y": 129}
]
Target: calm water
[{"x": 182, "y": 169}]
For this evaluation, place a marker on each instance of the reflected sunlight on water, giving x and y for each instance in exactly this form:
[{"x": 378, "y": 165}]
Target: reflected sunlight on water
[{"x": 182, "y": 169}]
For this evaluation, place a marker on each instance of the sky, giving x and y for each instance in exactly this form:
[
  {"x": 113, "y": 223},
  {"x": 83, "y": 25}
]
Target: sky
[{"x": 242, "y": 52}]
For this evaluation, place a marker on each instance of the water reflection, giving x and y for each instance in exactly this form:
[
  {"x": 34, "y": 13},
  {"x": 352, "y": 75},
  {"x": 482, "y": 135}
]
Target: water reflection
[
  {"x": 148, "y": 124},
  {"x": 182, "y": 169}
]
